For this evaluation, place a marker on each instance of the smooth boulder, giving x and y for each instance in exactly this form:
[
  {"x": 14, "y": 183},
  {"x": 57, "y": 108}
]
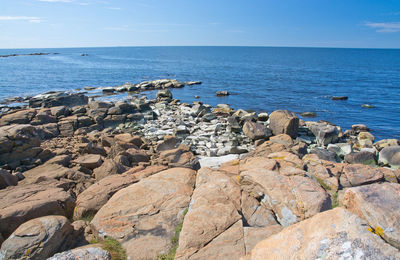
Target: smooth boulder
[{"x": 284, "y": 122}]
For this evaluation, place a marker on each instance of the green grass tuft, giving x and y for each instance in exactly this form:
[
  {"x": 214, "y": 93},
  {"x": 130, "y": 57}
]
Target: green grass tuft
[
  {"x": 174, "y": 240},
  {"x": 335, "y": 202},
  {"x": 115, "y": 248}
]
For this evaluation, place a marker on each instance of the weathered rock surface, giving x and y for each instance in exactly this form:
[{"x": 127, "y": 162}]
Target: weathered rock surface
[
  {"x": 334, "y": 234},
  {"x": 379, "y": 205},
  {"x": 38, "y": 238},
  {"x": 390, "y": 155},
  {"x": 20, "y": 117},
  {"x": 21, "y": 203},
  {"x": 284, "y": 122},
  {"x": 256, "y": 131},
  {"x": 109, "y": 167},
  {"x": 359, "y": 174},
  {"x": 213, "y": 209},
  {"x": 46, "y": 171},
  {"x": 291, "y": 198},
  {"x": 90, "y": 161},
  {"x": 324, "y": 133},
  {"x": 89, "y": 252},
  {"x": 7, "y": 179},
  {"x": 144, "y": 215},
  {"x": 253, "y": 235}
]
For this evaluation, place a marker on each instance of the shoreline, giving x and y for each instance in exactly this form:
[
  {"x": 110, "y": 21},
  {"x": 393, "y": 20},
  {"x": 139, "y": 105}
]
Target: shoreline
[{"x": 90, "y": 171}]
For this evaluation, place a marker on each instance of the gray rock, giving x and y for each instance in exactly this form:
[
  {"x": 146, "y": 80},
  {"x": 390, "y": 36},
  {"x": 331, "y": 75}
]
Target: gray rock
[
  {"x": 52, "y": 99},
  {"x": 325, "y": 154},
  {"x": 363, "y": 157},
  {"x": 89, "y": 252},
  {"x": 38, "y": 238},
  {"x": 222, "y": 93},
  {"x": 390, "y": 156},
  {"x": 7, "y": 179},
  {"x": 324, "y": 133},
  {"x": 256, "y": 131}
]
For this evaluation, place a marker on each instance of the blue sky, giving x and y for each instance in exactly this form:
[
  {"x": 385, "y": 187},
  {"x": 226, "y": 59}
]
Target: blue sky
[{"x": 84, "y": 23}]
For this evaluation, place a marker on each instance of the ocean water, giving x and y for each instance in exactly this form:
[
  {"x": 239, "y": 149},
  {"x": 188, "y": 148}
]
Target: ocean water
[{"x": 258, "y": 78}]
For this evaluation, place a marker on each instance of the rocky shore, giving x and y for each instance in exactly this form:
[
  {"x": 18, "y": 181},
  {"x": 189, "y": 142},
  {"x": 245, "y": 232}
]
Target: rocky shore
[{"x": 85, "y": 178}]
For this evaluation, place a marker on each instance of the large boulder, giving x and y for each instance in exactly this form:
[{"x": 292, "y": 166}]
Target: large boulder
[
  {"x": 379, "y": 205},
  {"x": 359, "y": 174},
  {"x": 47, "y": 171},
  {"x": 325, "y": 133},
  {"x": 52, "y": 99},
  {"x": 20, "y": 117},
  {"x": 291, "y": 198},
  {"x": 21, "y": 203},
  {"x": 213, "y": 209},
  {"x": 390, "y": 156},
  {"x": 180, "y": 157},
  {"x": 143, "y": 216},
  {"x": 39, "y": 238},
  {"x": 334, "y": 234},
  {"x": 89, "y": 161},
  {"x": 256, "y": 131},
  {"x": 284, "y": 122},
  {"x": 88, "y": 252}
]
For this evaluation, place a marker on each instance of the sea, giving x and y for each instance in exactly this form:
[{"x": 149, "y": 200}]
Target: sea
[{"x": 261, "y": 79}]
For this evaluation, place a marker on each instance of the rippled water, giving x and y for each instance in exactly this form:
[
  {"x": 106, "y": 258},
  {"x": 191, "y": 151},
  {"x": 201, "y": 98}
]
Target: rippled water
[{"x": 262, "y": 79}]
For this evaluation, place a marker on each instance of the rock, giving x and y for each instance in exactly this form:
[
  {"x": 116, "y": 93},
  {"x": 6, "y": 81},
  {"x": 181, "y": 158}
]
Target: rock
[
  {"x": 385, "y": 143},
  {"x": 100, "y": 105},
  {"x": 39, "y": 238},
  {"x": 164, "y": 94},
  {"x": 253, "y": 235},
  {"x": 180, "y": 157},
  {"x": 390, "y": 156},
  {"x": 47, "y": 131},
  {"x": 213, "y": 209},
  {"x": 378, "y": 204},
  {"x": 284, "y": 122},
  {"x": 109, "y": 167},
  {"x": 59, "y": 111},
  {"x": 63, "y": 160},
  {"x": 256, "y": 131},
  {"x": 324, "y": 154},
  {"x": 367, "y": 106},
  {"x": 308, "y": 114},
  {"x": 263, "y": 117},
  {"x": 339, "y": 98},
  {"x": 92, "y": 199},
  {"x": 190, "y": 83},
  {"x": 341, "y": 149},
  {"x": 21, "y": 203},
  {"x": 89, "y": 161},
  {"x": 89, "y": 252},
  {"x": 53, "y": 99},
  {"x": 108, "y": 90},
  {"x": 145, "y": 225},
  {"x": 169, "y": 143},
  {"x": 7, "y": 179},
  {"x": 324, "y": 133},
  {"x": 222, "y": 93},
  {"x": 363, "y": 157},
  {"x": 329, "y": 235},
  {"x": 254, "y": 213},
  {"x": 215, "y": 162},
  {"x": 292, "y": 198},
  {"x": 20, "y": 117},
  {"x": 359, "y": 174},
  {"x": 46, "y": 171}
]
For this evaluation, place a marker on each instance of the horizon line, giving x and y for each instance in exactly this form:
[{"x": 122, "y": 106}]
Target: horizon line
[{"x": 246, "y": 46}]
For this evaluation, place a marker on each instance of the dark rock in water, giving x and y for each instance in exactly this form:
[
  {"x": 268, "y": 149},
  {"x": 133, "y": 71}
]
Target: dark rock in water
[
  {"x": 325, "y": 154},
  {"x": 164, "y": 94},
  {"x": 363, "y": 157},
  {"x": 89, "y": 88},
  {"x": 308, "y": 114},
  {"x": 367, "y": 106},
  {"x": 359, "y": 128},
  {"x": 52, "y": 99},
  {"x": 190, "y": 83},
  {"x": 108, "y": 90},
  {"x": 339, "y": 98},
  {"x": 84, "y": 54},
  {"x": 196, "y": 97},
  {"x": 222, "y": 93}
]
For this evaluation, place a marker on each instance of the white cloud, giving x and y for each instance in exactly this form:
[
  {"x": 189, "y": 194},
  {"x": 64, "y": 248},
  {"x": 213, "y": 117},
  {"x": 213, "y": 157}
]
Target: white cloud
[
  {"x": 385, "y": 27},
  {"x": 30, "y": 19}
]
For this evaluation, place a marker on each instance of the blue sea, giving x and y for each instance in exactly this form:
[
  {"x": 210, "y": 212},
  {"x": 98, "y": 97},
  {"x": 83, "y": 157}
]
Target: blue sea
[{"x": 258, "y": 78}]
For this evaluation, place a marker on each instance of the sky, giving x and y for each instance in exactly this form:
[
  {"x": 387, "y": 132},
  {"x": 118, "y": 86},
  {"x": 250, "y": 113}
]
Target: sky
[{"x": 305, "y": 23}]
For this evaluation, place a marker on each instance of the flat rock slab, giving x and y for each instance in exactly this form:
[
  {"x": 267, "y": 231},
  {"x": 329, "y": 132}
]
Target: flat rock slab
[
  {"x": 253, "y": 235},
  {"x": 334, "y": 234},
  {"x": 213, "y": 209},
  {"x": 21, "y": 203},
  {"x": 48, "y": 171},
  {"x": 379, "y": 205},
  {"x": 359, "y": 174},
  {"x": 39, "y": 238},
  {"x": 90, "y": 161},
  {"x": 143, "y": 216}
]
